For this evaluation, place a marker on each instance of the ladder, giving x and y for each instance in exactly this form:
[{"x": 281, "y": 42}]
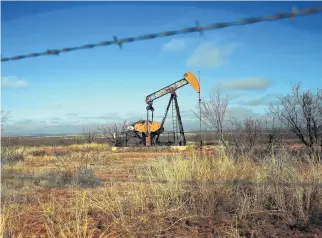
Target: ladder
[
  {"x": 178, "y": 133},
  {"x": 174, "y": 123}
]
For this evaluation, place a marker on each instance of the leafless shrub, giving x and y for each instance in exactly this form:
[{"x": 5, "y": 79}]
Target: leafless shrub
[
  {"x": 115, "y": 133},
  {"x": 246, "y": 133},
  {"x": 63, "y": 152},
  {"x": 86, "y": 178},
  {"x": 38, "y": 152},
  {"x": 66, "y": 175},
  {"x": 253, "y": 131},
  {"x": 213, "y": 112},
  {"x": 271, "y": 133},
  {"x": 90, "y": 136},
  {"x": 80, "y": 178},
  {"x": 56, "y": 178},
  {"x": 83, "y": 158},
  {"x": 301, "y": 113},
  {"x": 12, "y": 154}
]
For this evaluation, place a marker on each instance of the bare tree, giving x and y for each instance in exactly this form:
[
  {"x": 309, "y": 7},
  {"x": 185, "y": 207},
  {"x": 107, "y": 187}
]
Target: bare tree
[
  {"x": 271, "y": 131},
  {"x": 246, "y": 133},
  {"x": 236, "y": 133},
  {"x": 213, "y": 113},
  {"x": 301, "y": 113},
  {"x": 115, "y": 132},
  {"x": 253, "y": 131},
  {"x": 90, "y": 136}
]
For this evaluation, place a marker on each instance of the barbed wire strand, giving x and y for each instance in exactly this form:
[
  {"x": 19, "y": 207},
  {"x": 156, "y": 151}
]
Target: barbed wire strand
[{"x": 197, "y": 28}]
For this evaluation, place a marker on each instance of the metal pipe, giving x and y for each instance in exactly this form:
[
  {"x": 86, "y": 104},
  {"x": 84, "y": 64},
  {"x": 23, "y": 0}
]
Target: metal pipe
[{"x": 200, "y": 129}]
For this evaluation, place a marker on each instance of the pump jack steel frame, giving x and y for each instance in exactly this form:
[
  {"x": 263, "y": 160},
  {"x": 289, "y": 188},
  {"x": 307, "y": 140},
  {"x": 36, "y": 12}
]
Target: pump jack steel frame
[
  {"x": 154, "y": 140},
  {"x": 150, "y": 136},
  {"x": 173, "y": 99}
]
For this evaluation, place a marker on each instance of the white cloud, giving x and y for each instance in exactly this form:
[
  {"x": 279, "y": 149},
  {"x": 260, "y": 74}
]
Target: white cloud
[
  {"x": 209, "y": 56},
  {"x": 234, "y": 96},
  {"x": 263, "y": 100},
  {"x": 174, "y": 45},
  {"x": 12, "y": 82},
  {"x": 247, "y": 84}
]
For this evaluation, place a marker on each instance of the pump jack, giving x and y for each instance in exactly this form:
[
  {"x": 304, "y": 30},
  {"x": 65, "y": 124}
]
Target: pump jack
[{"x": 150, "y": 130}]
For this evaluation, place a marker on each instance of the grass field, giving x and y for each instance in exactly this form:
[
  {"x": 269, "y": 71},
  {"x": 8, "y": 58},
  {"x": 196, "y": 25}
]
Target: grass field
[{"x": 89, "y": 190}]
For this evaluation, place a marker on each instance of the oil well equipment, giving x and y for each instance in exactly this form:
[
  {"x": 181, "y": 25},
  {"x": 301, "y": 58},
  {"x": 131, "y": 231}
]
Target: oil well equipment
[{"x": 149, "y": 131}]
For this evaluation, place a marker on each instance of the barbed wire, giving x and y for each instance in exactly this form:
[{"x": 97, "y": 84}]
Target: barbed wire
[{"x": 197, "y": 28}]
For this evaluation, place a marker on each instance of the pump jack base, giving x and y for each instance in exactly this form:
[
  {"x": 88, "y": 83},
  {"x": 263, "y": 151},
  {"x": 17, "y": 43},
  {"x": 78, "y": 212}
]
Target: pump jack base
[{"x": 174, "y": 148}]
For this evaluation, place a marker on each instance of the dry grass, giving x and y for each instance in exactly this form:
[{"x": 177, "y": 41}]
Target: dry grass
[{"x": 154, "y": 209}]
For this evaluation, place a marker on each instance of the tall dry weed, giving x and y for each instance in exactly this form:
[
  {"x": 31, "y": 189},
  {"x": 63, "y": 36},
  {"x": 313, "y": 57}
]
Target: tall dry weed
[
  {"x": 60, "y": 222},
  {"x": 173, "y": 203}
]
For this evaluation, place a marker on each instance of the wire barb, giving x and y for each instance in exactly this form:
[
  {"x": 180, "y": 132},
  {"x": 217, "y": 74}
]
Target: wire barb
[
  {"x": 197, "y": 28},
  {"x": 53, "y": 52},
  {"x": 294, "y": 11},
  {"x": 116, "y": 41}
]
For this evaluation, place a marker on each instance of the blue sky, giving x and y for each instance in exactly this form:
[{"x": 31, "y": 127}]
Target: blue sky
[{"x": 80, "y": 89}]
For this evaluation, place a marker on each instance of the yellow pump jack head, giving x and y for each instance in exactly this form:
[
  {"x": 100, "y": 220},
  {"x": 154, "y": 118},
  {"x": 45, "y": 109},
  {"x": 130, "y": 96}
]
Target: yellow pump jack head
[{"x": 192, "y": 81}]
